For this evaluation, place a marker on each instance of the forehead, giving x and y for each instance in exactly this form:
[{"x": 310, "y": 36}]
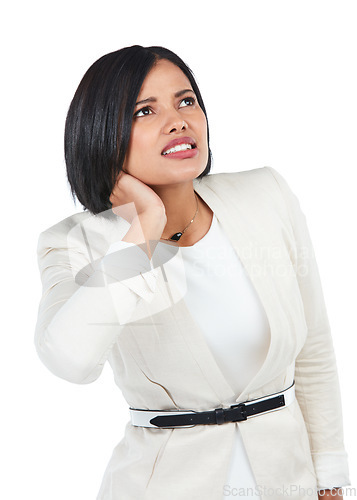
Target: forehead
[{"x": 164, "y": 77}]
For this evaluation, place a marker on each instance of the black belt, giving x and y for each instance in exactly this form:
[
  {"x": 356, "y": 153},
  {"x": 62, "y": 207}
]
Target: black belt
[{"x": 235, "y": 413}]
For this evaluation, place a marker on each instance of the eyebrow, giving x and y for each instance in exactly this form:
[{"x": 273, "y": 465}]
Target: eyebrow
[{"x": 153, "y": 99}]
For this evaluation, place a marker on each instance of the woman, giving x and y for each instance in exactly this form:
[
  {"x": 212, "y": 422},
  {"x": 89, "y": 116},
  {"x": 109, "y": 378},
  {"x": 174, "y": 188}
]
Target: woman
[{"x": 202, "y": 292}]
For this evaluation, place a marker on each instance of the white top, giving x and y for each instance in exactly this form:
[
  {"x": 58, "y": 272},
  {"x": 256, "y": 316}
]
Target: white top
[{"x": 221, "y": 298}]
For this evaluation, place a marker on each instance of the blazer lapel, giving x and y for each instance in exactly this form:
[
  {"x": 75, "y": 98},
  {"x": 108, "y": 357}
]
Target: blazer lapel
[{"x": 243, "y": 236}]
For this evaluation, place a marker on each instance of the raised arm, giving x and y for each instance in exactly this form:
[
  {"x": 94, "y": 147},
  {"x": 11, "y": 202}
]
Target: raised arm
[{"x": 85, "y": 304}]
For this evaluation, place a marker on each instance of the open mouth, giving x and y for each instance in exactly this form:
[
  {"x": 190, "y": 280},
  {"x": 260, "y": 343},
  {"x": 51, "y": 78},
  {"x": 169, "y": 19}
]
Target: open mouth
[{"x": 179, "y": 147}]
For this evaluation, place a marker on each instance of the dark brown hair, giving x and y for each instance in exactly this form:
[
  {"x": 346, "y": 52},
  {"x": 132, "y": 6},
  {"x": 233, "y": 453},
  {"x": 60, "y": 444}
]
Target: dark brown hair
[{"x": 99, "y": 121}]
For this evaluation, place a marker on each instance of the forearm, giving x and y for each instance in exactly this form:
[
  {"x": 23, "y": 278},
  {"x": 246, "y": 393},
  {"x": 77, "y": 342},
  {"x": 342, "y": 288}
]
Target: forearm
[
  {"x": 74, "y": 342},
  {"x": 84, "y": 305},
  {"x": 146, "y": 230}
]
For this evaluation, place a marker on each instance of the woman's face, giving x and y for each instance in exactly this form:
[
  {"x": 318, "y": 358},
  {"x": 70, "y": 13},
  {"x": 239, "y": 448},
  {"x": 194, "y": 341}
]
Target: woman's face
[{"x": 167, "y": 110}]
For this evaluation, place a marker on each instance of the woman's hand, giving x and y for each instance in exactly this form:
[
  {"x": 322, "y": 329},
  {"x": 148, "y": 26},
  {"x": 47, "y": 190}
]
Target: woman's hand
[
  {"x": 334, "y": 493},
  {"x": 146, "y": 215},
  {"x": 130, "y": 189}
]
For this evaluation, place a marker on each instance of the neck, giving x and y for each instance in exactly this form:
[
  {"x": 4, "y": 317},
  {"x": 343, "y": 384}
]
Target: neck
[{"x": 180, "y": 206}]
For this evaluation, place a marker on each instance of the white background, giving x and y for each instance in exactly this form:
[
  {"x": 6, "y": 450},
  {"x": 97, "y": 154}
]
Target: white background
[{"x": 279, "y": 83}]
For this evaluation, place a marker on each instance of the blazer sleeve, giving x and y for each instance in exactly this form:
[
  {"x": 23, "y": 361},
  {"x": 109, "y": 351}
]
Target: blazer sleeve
[
  {"x": 84, "y": 305},
  {"x": 316, "y": 376}
]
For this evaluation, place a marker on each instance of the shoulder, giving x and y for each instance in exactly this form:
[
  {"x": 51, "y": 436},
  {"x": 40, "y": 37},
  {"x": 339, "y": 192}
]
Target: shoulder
[
  {"x": 60, "y": 229},
  {"x": 66, "y": 224},
  {"x": 83, "y": 230},
  {"x": 257, "y": 179},
  {"x": 261, "y": 191}
]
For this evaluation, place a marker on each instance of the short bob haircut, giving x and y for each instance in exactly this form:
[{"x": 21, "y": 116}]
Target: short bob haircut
[{"x": 99, "y": 120}]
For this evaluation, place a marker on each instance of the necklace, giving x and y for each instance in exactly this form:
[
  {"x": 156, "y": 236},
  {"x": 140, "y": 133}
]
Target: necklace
[{"x": 177, "y": 236}]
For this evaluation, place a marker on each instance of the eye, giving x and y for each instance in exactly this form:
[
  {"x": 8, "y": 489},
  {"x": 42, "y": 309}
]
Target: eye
[
  {"x": 190, "y": 100},
  {"x": 144, "y": 111}
]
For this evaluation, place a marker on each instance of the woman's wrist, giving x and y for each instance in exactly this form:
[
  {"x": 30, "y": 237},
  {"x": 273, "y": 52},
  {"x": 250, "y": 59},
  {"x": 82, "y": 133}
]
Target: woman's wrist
[{"x": 332, "y": 493}]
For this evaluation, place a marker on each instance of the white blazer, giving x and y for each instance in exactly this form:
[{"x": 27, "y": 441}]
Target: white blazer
[{"x": 161, "y": 360}]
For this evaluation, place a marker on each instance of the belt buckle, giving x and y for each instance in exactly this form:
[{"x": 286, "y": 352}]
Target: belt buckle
[{"x": 242, "y": 412}]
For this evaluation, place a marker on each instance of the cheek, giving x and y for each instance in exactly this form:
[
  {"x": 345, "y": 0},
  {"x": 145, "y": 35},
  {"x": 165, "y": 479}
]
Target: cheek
[
  {"x": 203, "y": 137},
  {"x": 141, "y": 142},
  {"x": 133, "y": 152},
  {"x": 141, "y": 150},
  {"x": 202, "y": 123},
  {"x": 134, "y": 143}
]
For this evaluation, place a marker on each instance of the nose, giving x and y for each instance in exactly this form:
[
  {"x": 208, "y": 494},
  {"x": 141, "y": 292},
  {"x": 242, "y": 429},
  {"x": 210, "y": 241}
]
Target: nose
[{"x": 174, "y": 123}]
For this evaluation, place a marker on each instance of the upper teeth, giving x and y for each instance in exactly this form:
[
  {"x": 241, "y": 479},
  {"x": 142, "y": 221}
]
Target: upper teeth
[{"x": 179, "y": 147}]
